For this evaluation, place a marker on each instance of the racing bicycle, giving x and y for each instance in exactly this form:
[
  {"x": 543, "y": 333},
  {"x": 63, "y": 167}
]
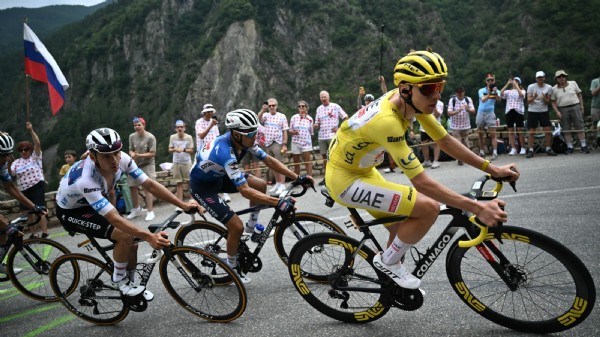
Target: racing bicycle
[
  {"x": 515, "y": 277},
  {"x": 200, "y": 282},
  {"x": 289, "y": 228},
  {"x": 28, "y": 261}
]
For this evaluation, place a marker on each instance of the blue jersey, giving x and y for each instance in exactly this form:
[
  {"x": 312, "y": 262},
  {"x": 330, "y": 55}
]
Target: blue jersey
[
  {"x": 4, "y": 174},
  {"x": 218, "y": 158}
]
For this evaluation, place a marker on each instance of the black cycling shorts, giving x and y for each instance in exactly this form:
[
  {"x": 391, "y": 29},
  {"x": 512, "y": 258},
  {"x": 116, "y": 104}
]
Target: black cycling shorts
[
  {"x": 207, "y": 195},
  {"x": 85, "y": 220}
]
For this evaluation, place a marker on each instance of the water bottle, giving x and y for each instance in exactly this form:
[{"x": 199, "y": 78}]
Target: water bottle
[{"x": 258, "y": 229}]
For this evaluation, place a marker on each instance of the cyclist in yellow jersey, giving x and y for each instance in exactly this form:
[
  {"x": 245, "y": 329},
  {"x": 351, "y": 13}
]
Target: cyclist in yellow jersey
[{"x": 359, "y": 145}]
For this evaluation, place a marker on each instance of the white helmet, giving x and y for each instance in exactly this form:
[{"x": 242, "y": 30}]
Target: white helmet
[
  {"x": 103, "y": 140},
  {"x": 241, "y": 119},
  {"x": 6, "y": 143}
]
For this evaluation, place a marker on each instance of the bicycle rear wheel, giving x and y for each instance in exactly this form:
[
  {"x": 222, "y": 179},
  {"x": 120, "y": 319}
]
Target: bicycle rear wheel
[
  {"x": 301, "y": 225},
  {"x": 34, "y": 261},
  {"x": 552, "y": 290},
  {"x": 191, "y": 276},
  {"x": 83, "y": 284},
  {"x": 322, "y": 255}
]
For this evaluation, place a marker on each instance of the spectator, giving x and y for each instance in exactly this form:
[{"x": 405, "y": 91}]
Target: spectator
[
  {"x": 327, "y": 120},
  {"x": 486, "y": 116},
  {"x": 30, "y": 177},
  {"x": 515, "y": 113},
  {"x": 142, "y": 149},
  {"x": 275, "y": 140},
  {"x": 301, "y": 129},
  {"x": 207, "y": 130},
  {"x": 595, "y": 89},
  {"x": 459, "y": 108},
  {"x": 206, "y": 127},
  {"x": 70, "y": 156},
  {"x": 568, "y": 105},
  {"x": 426, "y": 140},
  {"x": 538, "y": 97},
  {"x": 181, "y": 145}
]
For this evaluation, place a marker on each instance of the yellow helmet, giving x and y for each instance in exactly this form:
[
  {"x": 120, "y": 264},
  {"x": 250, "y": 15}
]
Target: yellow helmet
[{"x": 420, "y": 66}]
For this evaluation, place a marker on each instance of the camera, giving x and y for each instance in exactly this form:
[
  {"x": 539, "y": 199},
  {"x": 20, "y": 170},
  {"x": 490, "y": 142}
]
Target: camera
[{"x": 215, "y": 118}]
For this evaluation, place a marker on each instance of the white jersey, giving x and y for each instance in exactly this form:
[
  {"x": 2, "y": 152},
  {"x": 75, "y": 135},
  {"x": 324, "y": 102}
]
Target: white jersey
[{"x": 83, "y": 185}]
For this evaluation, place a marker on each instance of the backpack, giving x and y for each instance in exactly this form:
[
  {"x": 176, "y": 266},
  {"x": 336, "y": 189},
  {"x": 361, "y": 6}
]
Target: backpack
[
  {"x": 558, "y": 142},
  {"x": 453, "y": 101}
]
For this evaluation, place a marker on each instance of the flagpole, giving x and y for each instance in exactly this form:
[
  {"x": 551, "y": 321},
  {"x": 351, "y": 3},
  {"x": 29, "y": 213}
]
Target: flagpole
[{"x": 26, "y": 89}]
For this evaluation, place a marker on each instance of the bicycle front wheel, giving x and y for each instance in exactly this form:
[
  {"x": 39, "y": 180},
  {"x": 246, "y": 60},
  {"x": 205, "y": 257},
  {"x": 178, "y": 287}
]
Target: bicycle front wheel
[
  {"x": 301, "y": 225},
  {"x": 192, "y": 277},
  {"x": 353, "y": 293},
  {"x": 547, "y": 288},
  {"x": 204, "y": 235},
  {"x": 33, "y": 263},
  {"x": 83, "y": 284}
]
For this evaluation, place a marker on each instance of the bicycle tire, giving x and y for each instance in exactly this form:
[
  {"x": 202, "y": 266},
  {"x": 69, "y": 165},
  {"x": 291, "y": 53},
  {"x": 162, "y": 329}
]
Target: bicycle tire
[
  {"x": 207, "y": 298},
  {"x": 301, "y": 225},
  {"x": 83, "y": 284},
  {"x": 205, "y": 235},
  {"x": 35, "y": 261},
  {"x": 323, "y": 254},
  {"x": 554, "y": 290}
]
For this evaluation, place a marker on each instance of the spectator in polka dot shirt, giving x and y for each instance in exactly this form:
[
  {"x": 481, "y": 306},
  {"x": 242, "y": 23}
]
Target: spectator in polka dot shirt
[
  {"x": 275, "y": 133},
  {"x": 30, "y": 176},
  {"x": 327, "y": 121}
]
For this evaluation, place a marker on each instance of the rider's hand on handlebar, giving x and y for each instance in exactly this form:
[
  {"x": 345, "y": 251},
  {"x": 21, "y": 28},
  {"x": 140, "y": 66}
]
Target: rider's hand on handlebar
[
  {"x": 159, "y": 240},
  {"x": 508, "y": 173},
  {"x": 39, "y": 210},
  {"x": 491, "y": 213},
  {"x": 306, "y": 180},
  {"x": 285, "y": 205},
  {"x": 192, "y": 206}
]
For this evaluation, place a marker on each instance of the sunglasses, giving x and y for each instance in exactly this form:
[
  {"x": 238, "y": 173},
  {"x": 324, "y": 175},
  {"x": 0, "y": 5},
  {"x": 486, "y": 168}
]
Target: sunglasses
[
  {"x": 107, "y": 148},
  {"x": 427, "y": 89},
  {"x": 302, "y": 106},
  {"x": 561, "y": 76},
  {"x": 272, "y": 105},
  {"x": 490, "y": 80},
  {"x": 23, "y": 150},
  {"x": 250, "y": 134},
  {"x": 2, "y": 155}
]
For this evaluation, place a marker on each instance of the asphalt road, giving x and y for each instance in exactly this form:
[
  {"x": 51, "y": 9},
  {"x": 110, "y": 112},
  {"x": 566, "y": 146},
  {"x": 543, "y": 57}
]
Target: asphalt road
[{"x": 558, "y": 196}]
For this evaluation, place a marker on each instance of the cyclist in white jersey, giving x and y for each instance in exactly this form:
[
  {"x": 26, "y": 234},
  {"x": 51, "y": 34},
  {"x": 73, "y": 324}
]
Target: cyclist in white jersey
[{"x": 82, "y": 204}]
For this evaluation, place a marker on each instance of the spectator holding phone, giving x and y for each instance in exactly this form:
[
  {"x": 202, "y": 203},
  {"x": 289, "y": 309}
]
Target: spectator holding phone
[{"x": 486, "y": 115}]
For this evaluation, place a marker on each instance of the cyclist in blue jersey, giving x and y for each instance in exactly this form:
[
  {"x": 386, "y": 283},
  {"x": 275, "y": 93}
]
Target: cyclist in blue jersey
[
  {"x": 6, "y": 157},
  {"x": 82, "y": 205},
  {"x": 216, "y": 170}
]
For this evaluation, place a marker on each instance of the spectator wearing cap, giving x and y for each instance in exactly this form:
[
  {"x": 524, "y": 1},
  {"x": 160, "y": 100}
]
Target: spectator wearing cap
[
  {"x": 206, "y": 127},
  {"x": 514, "y": 94},
  {"x": 538, "y": 97},
  {"x": 207, "y": 130},
  {"x": 460, "y": 107},
  {"x": 275, "y": 140},
  {"x": 486, "y": 115},
  {"x": 567, "y": 102},
  {"x": 181, "y": 145},
  {"x": 142, "y": 149}
]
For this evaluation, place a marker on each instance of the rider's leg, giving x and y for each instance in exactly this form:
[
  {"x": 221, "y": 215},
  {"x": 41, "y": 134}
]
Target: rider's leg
[
  {"x": 235, "y": 228},
  {"x": 122, "y": 253},
  {"x": 405, "y": 234},
  {"x": 261, "y": 186}
]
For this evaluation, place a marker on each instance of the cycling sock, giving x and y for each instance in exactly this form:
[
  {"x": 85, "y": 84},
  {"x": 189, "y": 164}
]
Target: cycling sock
[
  {"x": 394, "y": 253},
  {"x": 120, "y": 271},
  {"x": 530, "y": 149},
  {"x": 232, "y": 261},
  {"x": 548, "y": 148},
  {"x": 253, "y": 219}
]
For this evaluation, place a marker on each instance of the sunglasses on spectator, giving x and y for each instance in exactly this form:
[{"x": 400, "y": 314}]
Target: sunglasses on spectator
[
  {"x": 427, "y": 89},
  {"x": 272, "y": 105},
  {"x": 490, "y": 80},
  {"x": 561, "y": 76},
  {"x": 250, "y": 134},
  {"x": 302, "y": 106},
  {"x": 24, "y": 150}
]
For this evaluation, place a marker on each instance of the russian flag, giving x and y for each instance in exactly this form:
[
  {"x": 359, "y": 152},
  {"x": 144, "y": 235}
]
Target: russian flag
[{"x": 41, "y": 66}]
